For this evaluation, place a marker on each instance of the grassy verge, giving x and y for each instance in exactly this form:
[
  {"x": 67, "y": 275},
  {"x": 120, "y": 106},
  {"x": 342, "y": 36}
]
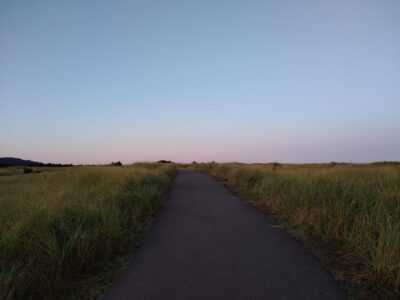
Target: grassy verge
[
  {"x": 64, "y": 232},
  {"x": 352, "y": 212}
]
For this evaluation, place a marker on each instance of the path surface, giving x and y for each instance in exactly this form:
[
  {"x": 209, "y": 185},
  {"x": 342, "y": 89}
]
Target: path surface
[{"x": 206, "y": 243}]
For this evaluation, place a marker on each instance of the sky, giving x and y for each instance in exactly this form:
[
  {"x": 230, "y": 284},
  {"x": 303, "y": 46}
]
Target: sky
[{"x": 97, "y": 81}]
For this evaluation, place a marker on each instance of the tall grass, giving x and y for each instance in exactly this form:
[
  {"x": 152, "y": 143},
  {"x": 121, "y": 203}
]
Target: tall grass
[
  {"x": 357, "y": 206},
  {"x": 62, "y": 228}
]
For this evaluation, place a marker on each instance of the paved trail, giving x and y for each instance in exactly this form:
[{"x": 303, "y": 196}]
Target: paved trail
[{"x": 206, "y": 243}]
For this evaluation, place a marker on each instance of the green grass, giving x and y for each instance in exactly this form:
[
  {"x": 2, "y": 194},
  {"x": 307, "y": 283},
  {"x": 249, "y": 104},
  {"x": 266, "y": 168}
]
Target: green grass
[
  {"x": 65, "y": 231},
  {"x": 356, "y": 208}
]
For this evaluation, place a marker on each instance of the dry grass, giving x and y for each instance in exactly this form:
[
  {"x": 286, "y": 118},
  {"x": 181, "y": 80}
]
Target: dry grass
[
  {"x": 64, "y": 231},
  {"x": 354, "y": 208}
]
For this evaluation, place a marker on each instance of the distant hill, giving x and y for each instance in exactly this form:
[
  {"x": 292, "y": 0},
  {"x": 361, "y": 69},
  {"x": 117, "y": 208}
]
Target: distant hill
[{"x": 12, "y": 161}]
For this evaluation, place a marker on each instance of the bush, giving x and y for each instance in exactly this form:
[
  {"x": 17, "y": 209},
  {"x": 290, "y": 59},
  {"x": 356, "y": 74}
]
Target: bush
[
  {"x": 164, "y": 161},
  {"x": 27, "y": 170}
]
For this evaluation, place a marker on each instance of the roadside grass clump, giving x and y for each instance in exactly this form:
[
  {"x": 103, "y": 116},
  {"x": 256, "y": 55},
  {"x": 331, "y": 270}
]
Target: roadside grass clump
[
  {"x": 355, "y": 208},
  {"x": 65, "y": 232}
]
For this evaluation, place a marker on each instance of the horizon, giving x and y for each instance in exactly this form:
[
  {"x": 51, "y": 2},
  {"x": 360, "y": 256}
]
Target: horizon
[
  {"x": 205, "y": 162},
  {"x": 252, "y": 82}
]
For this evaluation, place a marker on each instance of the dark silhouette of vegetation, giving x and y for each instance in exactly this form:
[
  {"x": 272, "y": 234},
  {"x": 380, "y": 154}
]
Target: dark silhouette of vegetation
[
  {"x": 276, "y": 165},
  {"x": 164, "y": 161},
  {"x": 27, "y": 170},
  {"x": 57, "y": 165},
  {"x": 386, "y": 163},
  {"x": 116, "y": 164}
]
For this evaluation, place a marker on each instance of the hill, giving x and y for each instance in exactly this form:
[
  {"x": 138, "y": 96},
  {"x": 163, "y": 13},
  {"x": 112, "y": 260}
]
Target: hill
[{"x": 12, "y": 161}]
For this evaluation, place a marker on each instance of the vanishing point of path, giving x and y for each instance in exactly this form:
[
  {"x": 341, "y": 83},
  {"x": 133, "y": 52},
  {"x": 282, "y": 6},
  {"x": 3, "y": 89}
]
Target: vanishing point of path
[{"x": 206, "y": 243}]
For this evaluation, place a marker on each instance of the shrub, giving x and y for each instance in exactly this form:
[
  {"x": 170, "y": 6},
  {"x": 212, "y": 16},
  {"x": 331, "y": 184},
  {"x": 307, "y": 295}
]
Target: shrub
[
  {"x": 164, "y": 161},
  {"x": 27, "y": 170}
]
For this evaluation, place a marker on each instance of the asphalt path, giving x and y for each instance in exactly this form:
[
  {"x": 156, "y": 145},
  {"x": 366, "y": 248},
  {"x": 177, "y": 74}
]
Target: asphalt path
[{"x": 207, "y": 243}]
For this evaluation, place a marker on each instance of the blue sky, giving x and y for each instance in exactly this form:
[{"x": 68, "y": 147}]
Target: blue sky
[{"x": 252, "y": 81}]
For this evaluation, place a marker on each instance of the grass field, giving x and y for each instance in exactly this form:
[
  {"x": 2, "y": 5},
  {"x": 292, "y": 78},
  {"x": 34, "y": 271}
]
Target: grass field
[
  {"x": 65, "y": 231},
  {"x": 351, "y": 210}
]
